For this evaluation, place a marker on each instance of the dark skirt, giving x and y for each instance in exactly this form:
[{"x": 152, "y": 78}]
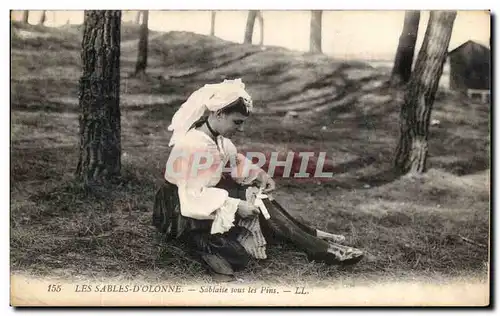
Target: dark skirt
[{"x": 222, "y": 252}]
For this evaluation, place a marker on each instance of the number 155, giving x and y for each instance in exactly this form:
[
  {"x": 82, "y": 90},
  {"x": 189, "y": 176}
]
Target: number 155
[{"x": 54, "y": 288}]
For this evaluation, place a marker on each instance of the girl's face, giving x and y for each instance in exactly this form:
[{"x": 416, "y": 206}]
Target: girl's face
[{"x": 228, "y": 124}]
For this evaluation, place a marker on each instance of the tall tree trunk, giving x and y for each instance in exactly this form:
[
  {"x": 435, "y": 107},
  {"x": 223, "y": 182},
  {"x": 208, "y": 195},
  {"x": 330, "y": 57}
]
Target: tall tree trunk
[
  {"x": 252, "y": 14},
  {"x": 212, "y": 23},
  {"x": 412, "y": 149},
  {"x": 142, "y": 54},
  {"x": 138, "y": 17},
  {"x": 260, "y": 17},
  {"x": 406, "y": 49},
  {"x": 99, "y": 97},
  {"x": 315, "y": 35},
  {"x": 43, "y": 18},
  {"x": 26, "y": 15}
]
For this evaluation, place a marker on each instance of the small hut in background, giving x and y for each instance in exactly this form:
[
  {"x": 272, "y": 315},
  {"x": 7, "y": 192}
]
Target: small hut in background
[{"x": 470, "y": 69}]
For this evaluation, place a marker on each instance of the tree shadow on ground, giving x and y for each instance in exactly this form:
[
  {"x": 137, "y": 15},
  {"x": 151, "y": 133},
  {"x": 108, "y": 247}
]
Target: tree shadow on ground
[
  {"x": 41, "y": 164},
  {"x": 163, "y": 111},
  {"x": 46, "y": 107},
  {"x": 384, "y": 176},
  {"x": 465, "y": 167}
]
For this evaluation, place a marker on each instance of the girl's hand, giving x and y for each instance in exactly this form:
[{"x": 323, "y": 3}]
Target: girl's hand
[
  {"x": 246, "y": 209},
  {"x": 265, "y": 182}
]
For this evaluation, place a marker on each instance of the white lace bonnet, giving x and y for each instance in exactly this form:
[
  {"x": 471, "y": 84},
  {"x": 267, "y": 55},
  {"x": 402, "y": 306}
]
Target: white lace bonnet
[{"x": 211, "y": 97}]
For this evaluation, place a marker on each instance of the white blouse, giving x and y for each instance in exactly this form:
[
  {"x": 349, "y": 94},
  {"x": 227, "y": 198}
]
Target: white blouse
[{"x": 195, "y": 166}]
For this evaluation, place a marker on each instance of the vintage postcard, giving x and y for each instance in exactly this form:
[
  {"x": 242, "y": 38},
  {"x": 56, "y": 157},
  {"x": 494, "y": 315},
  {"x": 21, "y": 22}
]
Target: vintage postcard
[{"x": 250, "y": 158}]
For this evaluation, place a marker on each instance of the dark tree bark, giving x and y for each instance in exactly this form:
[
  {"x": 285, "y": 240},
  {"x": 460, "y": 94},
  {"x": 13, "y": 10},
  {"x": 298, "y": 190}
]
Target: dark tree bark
[
  {"x": 212, "y": 23},
  {"x": 315, "y": 33},
  {"x": 43, "y": 18},
  {"x": 406, "y": 49},
  {"x": 138, "y": 17},
  {"x": 412, "y": 149},
  {"x": 252, "y": 14},
  {"x": 260, "y": 17},
  {"x": 26, "y": 15},
  {"x": 142, "y": 54},
  {"x": 99, "y": 98}
]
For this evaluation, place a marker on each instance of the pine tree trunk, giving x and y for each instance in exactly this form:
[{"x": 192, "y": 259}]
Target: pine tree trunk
[
  {"x": 99, "y": 98},
  {"x": 26, "y": 15},
  {"x": 142, "y": 54},
  {"x": 138, "y": 17},
  {"x": 252, "y": 14},
  {"x": 315, "y": 36},
  {"x": 43, "y": 18},
  {"x": 406, "y": 49},
  {"x": 412, "y": 149},
  {"x": 212, "y": 23},
  {"x": 261, "y": 23}
]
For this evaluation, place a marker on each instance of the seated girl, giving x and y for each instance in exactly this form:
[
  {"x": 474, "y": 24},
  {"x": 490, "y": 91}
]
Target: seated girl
[{"x": 217, "y": 200}]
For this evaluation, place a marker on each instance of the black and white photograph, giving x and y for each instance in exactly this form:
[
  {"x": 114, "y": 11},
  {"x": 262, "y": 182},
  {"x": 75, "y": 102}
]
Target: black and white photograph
[{"x": 250, "y": 158}]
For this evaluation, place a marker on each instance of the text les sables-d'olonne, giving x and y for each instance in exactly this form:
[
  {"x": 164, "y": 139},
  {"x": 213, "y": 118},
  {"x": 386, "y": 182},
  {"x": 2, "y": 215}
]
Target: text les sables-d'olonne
[{"x": 113, "y": 288}]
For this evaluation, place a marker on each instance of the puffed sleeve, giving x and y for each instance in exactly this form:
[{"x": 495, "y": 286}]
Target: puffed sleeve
[{"x": 197, "y": 198}]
